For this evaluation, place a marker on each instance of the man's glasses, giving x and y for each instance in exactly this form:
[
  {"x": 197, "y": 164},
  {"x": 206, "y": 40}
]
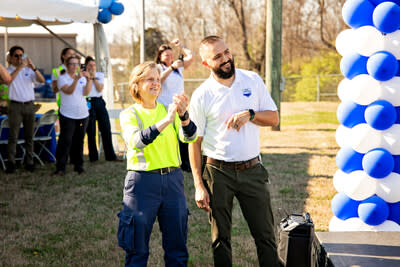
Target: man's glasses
[
  {"x": 73, "y": 64},
  {"x": 18, "y": 55}
]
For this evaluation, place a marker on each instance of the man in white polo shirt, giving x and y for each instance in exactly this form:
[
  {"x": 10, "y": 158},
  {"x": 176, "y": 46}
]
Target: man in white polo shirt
[
  {"x": 228, "y": 109},
  {"x": 24, "y": 75}
]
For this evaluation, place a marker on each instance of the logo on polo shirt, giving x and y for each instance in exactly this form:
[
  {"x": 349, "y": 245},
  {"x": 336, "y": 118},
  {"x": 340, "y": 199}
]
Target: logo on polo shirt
[
  {"x": 246, "y": 92},
  {"x": 26, "y": 74},
  {"x": 81, "y": 82}
]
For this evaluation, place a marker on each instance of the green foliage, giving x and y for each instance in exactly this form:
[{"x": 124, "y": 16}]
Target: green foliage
[{"x": 305, "y": 87}]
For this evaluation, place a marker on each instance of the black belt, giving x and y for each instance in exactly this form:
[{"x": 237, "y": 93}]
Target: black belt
[
  {"x": 163, "y": 171},
  {"x": 236, "y": 165},
  {"x": 93, "y": 98},
  {"x": 23, "y": 103}
]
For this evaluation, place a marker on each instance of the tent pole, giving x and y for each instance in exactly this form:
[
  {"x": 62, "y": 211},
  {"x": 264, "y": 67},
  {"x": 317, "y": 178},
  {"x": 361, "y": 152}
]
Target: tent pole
[{"x": 61, "y": 39}]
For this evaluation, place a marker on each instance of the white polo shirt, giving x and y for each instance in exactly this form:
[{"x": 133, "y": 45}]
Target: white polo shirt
[
  {"x": 212, "y": 105},
  {"x": 93, "y": 91},
  {"x": 172, "y": 85},
  {"x": 22, "y": 87},
  {"x": 73, "y": 106}
]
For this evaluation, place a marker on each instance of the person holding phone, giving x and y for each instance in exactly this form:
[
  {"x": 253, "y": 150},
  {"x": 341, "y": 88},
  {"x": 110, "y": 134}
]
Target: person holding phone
[
  {"x": 74, "y": 85},
  {"x": 24, "y": 76},
  {"x": 98, "y": 113},
  {"x": 172, "y": 82}
]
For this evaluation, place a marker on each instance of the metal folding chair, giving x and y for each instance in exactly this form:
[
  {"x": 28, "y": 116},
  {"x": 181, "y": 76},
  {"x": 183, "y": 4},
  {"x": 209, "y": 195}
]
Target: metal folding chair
[
  {"x": 113, "y": 114},
  {"x": 42, "y": 134},
  {"x": 4, "y": 141}
]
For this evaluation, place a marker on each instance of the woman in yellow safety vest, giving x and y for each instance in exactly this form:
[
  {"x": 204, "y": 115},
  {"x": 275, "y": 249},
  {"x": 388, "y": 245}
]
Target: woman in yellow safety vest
[{"x": 154, "y": 182}]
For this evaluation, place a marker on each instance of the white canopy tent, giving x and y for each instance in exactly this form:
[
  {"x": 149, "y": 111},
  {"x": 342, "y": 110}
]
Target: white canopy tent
[{"x": 24, "y": 13}]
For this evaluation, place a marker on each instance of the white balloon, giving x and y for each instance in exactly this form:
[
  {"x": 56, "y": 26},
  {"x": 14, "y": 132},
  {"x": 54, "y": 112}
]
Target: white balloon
[
  {"x": 338, "y": 225},
  {"x": 364, "y": 89},
  {"x": 390, "y": 91},
  {"x": 344, "y": 89},
  {"x": 392, "y": 43},
  {"x": 391, "y": 139},
  {"x": 363, "y": 138},
  {"x": 343, "y": 136},
  {"x": 345, "y": 42},
  {"x": 369, "y": 40},
  {"x": 360, "y": 185},
  {"x": 339, "y": 180},
  {"x": 387, "y": 226},
  {"x": 388, "y": 188}
]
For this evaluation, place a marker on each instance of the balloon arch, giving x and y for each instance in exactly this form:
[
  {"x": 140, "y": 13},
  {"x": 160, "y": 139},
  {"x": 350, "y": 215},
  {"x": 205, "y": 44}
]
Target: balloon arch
[{"x": 368, "y": 179}]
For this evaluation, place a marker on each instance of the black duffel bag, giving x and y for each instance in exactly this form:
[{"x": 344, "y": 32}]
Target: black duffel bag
[{"x": 298, "y": 245}]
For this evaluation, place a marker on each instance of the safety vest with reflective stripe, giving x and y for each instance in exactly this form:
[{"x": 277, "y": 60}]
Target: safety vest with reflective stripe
[
  {"x": 56, "y": 73},
  {"x": 163, "y": 151},
  {"x": 3, "y": 92}
]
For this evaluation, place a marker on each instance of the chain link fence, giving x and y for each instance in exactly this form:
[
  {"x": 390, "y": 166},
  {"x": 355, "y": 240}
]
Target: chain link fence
[{"x": 322, "y": 87}]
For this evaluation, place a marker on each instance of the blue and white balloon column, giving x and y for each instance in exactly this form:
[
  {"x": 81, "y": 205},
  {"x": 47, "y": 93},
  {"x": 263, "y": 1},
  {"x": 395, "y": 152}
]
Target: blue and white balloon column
[
  {"x": 107, "y": 8},
  {"x": 368, "y": 179}
]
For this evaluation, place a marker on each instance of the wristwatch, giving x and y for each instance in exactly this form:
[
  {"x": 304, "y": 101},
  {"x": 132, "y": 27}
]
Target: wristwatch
[
  {"x": 185, "y": 116},
  {"x": 252, "y": 114}
]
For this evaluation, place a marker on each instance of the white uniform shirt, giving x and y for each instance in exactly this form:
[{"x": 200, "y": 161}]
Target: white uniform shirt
[
  {"x": 172, "y": 85},
  {"x": 73, "y": 106},
  {"x": 213, "y": 104},
  {"x": 93, "y": 91},
  {"x": 22, "y": 87}
]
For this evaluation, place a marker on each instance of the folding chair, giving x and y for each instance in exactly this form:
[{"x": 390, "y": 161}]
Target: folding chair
[
  {"x": 4, "y": 141},
  {"x": 113, "y": 114},
  {"x": 42, "y": 134}
]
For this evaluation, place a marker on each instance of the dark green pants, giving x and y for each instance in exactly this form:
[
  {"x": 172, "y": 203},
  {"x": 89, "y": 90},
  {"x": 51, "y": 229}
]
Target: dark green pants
[
  {"x": 250, "y": 188},
  {"x": 21, "y": 113}
]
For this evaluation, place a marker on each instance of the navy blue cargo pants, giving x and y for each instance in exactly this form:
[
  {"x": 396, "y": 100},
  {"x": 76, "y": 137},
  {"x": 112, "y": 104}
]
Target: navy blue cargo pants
[{"x": 148, "y": 195}]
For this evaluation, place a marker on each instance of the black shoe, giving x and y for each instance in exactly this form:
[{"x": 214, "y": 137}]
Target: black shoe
[
  {"x": 79, "y": 170},
  {"x": 10, "y": 167},
  {"x": 30, "y": 167}
]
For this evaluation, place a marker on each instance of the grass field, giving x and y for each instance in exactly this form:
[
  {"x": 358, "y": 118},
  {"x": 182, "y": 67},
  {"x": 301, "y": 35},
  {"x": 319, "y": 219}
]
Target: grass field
[{"x": 71, "y": 220}]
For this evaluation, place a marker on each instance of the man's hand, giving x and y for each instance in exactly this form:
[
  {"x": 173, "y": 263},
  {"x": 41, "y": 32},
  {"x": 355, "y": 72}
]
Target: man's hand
[
  {"x": 202, "y": 198},
  {"x": 239, "y": 119}
]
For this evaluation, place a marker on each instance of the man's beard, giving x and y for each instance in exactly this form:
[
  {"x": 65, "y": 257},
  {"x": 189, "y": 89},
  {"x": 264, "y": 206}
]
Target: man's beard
[{"x": 223, "y": 74}]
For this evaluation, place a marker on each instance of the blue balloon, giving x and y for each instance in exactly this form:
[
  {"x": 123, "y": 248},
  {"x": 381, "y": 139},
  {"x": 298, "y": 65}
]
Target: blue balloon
[
  {"x": 349, "y": 160},
  {"x": 382, "y": 66},
  {"x": 396, "y": 159},
  {"x": 398, "y": 71},
  {"x": 377, "y": 2},
  {"x": 378, "y": 163},
  {"x": 104, "y": 16},
  {"x": 394, "y": 212},
  {"x": 117, "y": 8},
  {"x": 380, "y": 115},
  {"x": 353, "y": 64},
  {"x": 105, "y": 3},
  {"x": 358, "y": 13},
  {"x": 397, "y": 114},
  {"x": 373, "y": 210},
  {"x": 344, "y": 207},
  {"x": 386, "y": 17},
  {"x": 350, "y": 113}
]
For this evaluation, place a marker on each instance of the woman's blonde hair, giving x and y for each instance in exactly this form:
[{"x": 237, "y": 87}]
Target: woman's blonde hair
[{"x": 138, "y": 74}]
